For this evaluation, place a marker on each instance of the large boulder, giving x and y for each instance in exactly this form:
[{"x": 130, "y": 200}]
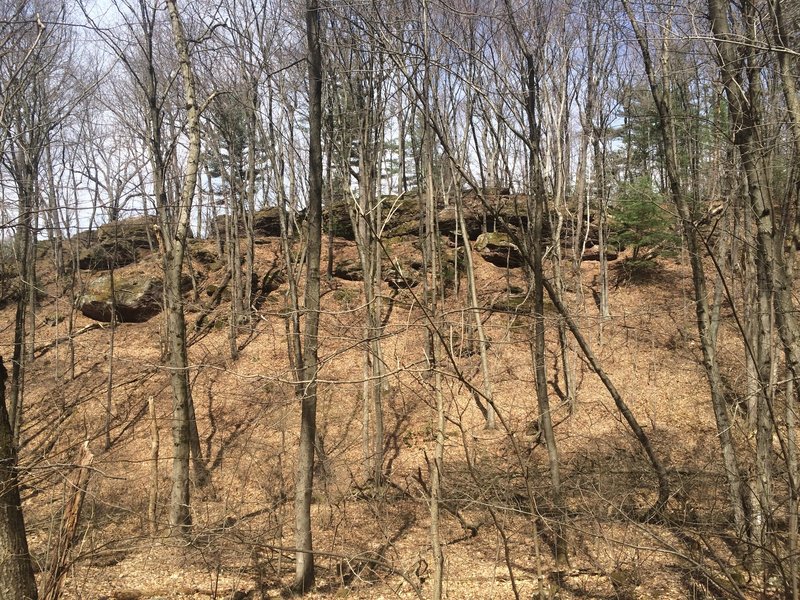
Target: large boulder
[
  {"x": 594, "y": 254},
  {"x": 102, "y": 257},
  {"x": 139, "y": 232},
  {"x": 448, "y": 221},
  {"x": 136, "y": 298},
  {"x": 400, "y": 213},
  {"x": 348, "y": 269},
  {"x": 266, "y": 222},
  {"x": 119, "y": 243},
  {"x": 498, "y": 249},
  {"x": 491, "y": 210}
]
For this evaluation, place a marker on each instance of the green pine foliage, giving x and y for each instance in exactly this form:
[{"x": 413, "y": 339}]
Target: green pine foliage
[{"x": 639, "y": 219}]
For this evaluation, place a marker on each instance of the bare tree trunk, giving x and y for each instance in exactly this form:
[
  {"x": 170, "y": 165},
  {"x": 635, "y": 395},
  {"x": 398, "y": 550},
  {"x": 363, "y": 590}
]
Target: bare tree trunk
[
  {"x": 250, "y": 209},
  {"x": 18, "y": 368},
  {"x": 232, "y": 245},
  {"x": 794, "y": 473},
  {"x": 432, "y": 284},
  {"x": 152, "y": 501},
  {"x": 536, "y": 208},
  {"x": 77, "y": 484},
  {"x": 436, "y": 483},
  {"x": 179, "y": 515},
  {"x": 304, "y": 559},
  {"x": 26, "y": 257},
  {"x": 602, "y": 224},
  {"x": 110, "y": 380},
  {"x": 741, "y": 70},
  {"x": 560, "y": 159},
  {"x": 16, "y": 571},
  {"x": 705, "y": 326},
  {"x": 54, "y": 216},
  {"x": 30, "y": 285},
  {"x": 174, "y": 235},
  {"x": 787, "y": 63},
  {"x": 474, "y": 308}
]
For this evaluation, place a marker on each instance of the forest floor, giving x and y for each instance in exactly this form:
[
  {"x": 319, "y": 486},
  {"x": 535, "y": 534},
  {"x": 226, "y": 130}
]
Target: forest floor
[{"x": 375, "y": 543}]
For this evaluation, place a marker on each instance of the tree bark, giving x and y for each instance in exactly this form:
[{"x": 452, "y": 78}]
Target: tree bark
[
  {"x": 16, "y": 571},
  {"x": 536, "y": 209},
  {"x": 304, "y": 558},
  {"x": 740, "y": 69},
  {"x": 702, "y": 310},
  {"x": 152, "y": 500},
  {"x": 174, "y": 232},
  {"x": 77, "y": 483}
]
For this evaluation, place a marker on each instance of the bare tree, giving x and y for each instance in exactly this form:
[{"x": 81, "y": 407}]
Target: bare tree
[
  {"x": 304, "y": 558},
  {"x": 174, "y": 234},
  {"x": 174, "y": 193},
  {"x": 36, "y": 84},
  {"x": 706, "y": 323},
  {"x": 359, "y": 74}
]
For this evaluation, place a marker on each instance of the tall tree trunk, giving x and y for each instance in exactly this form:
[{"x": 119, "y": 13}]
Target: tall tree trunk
[
  {"x": 741, "y": 72},
  {"x": 304, "y": 559},
  {"x": 602, "y": 223},
  {"x": 794, "y": 473},
  {"x": 111, "y": 339},
  {"x": 436, "y": 482},
  {"x": 536, "y": 209},
  {"x": 705, "y": 326},
  {"x": 250, "y": 210},
  {"x": 16, "y": 570},
  {"x": 475, "y": 309},
  {"x": 179, "y": 513},
  {"x": 26, "y": 256},
  {"x": 174, "y": 232}
]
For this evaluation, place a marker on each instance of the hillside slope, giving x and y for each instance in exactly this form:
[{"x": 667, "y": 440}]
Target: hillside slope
[{"x": 375, "y": 543}]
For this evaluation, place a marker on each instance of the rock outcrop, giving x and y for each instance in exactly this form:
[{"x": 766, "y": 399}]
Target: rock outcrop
[
  {"x": 492, "y": 211},
  {"x": 401, "y": 214},
  {"x": 266, "y": 223},
  {"x": 119, "y": 243}
]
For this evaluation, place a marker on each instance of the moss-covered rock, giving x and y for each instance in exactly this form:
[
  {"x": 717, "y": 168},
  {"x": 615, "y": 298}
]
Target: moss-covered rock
[
  {"x": 139, "y": 232},
  {"x": 136, "y": 298},
  {"x": 401, "y": 214},
  {"x": 493, "y": 209},
  {"x": 266, "y": 223},
  {"x": 349, "y": 270},
  {"x": 102, "y": 257},
  {"x": 498, "y": 249}
]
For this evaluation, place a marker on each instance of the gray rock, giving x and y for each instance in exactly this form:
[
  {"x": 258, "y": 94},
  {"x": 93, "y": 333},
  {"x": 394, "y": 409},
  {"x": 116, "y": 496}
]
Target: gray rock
[
  {"x": 119, "y": 243},
  {"x": 137, "y": 298},
  {"x": 498, "y": 249}
]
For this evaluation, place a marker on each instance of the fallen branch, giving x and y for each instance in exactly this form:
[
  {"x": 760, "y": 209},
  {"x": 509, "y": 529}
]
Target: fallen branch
[
  {"x": 79, "y": 481},
  {"x": 49, "y": 346}
]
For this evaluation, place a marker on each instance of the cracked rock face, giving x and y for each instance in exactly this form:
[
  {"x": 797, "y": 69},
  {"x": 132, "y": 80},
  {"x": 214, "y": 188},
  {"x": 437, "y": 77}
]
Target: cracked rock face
[{"x": 119, "y": 243}]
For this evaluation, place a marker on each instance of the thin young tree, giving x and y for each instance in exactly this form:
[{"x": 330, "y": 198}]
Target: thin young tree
[
  {"x": 707, "y": 326},
  {"x": 359, "y": 75},
  {"x": 38, "y": 93},
  {"x": 174, "y": 235},
  {"x": 304, "y": 557}
]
